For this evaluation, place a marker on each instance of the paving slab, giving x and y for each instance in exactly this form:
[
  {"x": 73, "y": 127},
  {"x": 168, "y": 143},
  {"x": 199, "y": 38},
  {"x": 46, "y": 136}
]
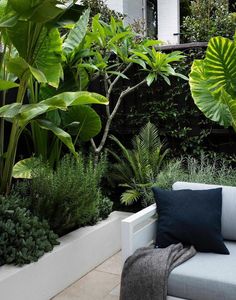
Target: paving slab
[{"x": 103, "y": 283}]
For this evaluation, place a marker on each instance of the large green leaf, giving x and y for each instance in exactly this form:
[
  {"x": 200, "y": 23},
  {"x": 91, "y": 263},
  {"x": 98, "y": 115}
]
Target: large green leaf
[
  {"x": 17, "y": 66},
  {"x": 76, "y": 35},
  {"x": 213, "y": 82},
  {"x": 27, "y": 112},
  {"x": 40, "y": 11},
  {"x": 46, "y": 10},
  {"x": 82, "y": 121},
  {"x": 19, "y": 36},
  {"x": 24, "y": 168},
  {"x": 6, "y": 85},
  {"x": 45, "y": 52},
  {"x": 60, "y": 133},
  {"x": 8, "y": 18},
  {"x": 208, "y": 101},
  {"x": 49, "y": 56},
  {"x": 220, "y": 64}
]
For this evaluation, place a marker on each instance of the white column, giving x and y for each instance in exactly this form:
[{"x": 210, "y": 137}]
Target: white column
[{"x": 169, "y": 21}]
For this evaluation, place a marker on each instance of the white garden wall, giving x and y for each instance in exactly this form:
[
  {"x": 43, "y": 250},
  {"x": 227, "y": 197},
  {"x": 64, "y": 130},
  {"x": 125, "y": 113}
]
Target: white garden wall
[{"x": 79, "y": 252}]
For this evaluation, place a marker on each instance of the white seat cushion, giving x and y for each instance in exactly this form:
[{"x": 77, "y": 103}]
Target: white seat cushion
[
  {"x": 228, "y": 220},
  {"x": 206, "y": 276}
]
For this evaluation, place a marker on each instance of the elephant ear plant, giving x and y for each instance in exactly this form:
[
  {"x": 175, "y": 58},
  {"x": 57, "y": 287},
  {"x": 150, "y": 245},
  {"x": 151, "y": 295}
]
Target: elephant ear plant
[
  {"x": 213, "y": 82},
  {"x": 32, "y": 55}
]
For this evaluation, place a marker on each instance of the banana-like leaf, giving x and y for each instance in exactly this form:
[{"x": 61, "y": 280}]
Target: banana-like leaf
[
  {"x": 83, "y": 121},
  {"x": 213, "y": 82},
  {"x": 60, "y": 133},
  {"x": 6, "y": 85},
  {"x": 24, "y": 168},
  {"x": 76, "y": 35},
  {"x": 25, "y": 113}
]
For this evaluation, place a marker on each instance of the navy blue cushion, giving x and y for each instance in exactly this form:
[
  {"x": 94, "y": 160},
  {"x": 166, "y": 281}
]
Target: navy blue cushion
[{"x": 192, "y": 217}]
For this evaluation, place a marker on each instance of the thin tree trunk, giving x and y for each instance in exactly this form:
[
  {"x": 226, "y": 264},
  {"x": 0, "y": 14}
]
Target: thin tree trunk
[{"x": 111, "y": 115}]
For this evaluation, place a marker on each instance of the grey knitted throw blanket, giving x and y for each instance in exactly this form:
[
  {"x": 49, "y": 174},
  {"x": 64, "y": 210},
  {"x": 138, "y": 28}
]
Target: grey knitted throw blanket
[{"x": 145, "y": 273}]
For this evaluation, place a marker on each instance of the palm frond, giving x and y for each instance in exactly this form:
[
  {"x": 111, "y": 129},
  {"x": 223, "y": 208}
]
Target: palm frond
[
  {"x": 130, "y": 196},
  {"x": 149, "y": 137},
  {"x": 137, "y": 169}
]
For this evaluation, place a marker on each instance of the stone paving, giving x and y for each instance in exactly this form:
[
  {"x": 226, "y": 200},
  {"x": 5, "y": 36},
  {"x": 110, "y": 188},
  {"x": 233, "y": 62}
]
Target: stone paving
[{"x": 103, "y": 283}]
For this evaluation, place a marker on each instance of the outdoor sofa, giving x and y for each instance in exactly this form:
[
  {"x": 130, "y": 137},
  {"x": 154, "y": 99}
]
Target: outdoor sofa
[{"x": 206, "y": 276}]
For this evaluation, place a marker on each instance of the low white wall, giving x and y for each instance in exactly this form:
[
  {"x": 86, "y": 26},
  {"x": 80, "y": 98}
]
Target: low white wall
[{"x": 79, "y": 252}]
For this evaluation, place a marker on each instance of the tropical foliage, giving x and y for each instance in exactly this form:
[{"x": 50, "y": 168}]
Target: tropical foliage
[
  {"x": 27, "y": 65},
  {"x": 108, "y": 53},
  {"x": 137, "y": 169},
  {"x": 213, "y": 84}
]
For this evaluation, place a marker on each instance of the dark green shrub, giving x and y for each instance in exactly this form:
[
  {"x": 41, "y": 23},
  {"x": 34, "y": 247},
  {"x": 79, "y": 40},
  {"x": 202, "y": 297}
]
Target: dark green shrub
[
  {"x": 208, "y": 18},
  {"x": 104, "y": 207},
  {"x": 67, "y": 197},
  {"x": 23, "y": 238}
]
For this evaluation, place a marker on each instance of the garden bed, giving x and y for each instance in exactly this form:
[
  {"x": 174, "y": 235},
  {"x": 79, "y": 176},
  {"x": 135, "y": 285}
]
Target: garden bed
[{"x": 78, "y": 253}]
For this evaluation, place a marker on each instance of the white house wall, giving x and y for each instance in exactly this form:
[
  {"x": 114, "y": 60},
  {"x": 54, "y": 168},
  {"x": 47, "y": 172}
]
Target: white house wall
[
  {"x": 168, "y": 21},
  {"x": 168, "y": 16},
  {"x": 116, "y": 5},
  {"x": 134, "y": 10}
]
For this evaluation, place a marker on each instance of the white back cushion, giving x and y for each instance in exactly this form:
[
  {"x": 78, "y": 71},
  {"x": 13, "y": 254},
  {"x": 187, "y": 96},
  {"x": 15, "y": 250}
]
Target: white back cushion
[{"x": 228, "y": 220}]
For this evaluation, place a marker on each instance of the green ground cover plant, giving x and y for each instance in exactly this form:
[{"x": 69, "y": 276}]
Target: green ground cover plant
[{"x": 24, "y": 238}]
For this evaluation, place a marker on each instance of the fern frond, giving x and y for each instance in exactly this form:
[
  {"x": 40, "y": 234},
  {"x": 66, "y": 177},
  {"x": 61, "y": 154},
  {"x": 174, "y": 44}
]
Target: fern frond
[{"x": 130, "y": 196}]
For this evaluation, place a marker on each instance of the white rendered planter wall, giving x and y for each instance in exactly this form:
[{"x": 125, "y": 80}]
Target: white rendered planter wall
[{"x": 79, "y": 252}]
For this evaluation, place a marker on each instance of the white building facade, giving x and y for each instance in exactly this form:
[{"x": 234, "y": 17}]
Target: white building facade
[{"x": 160, "y": 17}]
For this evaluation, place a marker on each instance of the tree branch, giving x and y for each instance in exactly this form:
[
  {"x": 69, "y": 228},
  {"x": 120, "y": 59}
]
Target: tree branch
[
  {"x": 109, "y": 120},
  {"x": 117, "y": 79},
  {"x": 124, "y": 94}
]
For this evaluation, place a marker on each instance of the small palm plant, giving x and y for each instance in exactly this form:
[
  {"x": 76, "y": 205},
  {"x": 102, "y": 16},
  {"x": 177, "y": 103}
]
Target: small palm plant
[{"x": 137, "y": 169}]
